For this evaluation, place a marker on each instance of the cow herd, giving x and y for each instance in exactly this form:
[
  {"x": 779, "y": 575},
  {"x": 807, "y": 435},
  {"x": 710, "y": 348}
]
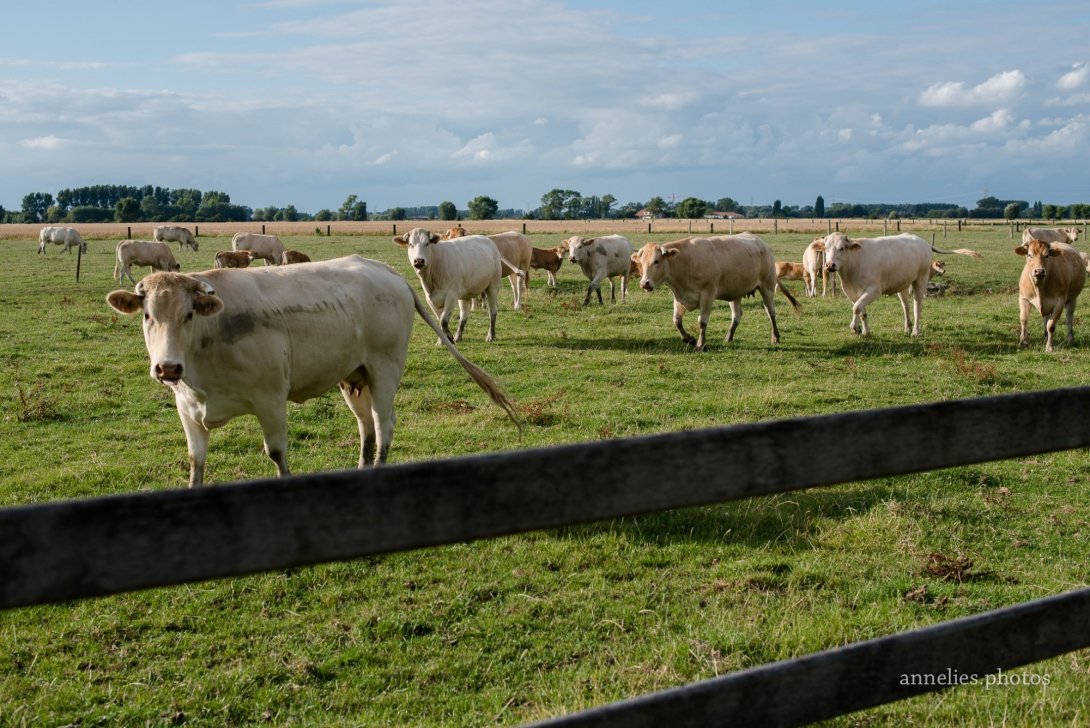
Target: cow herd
[{"x": 231, "y": 343}]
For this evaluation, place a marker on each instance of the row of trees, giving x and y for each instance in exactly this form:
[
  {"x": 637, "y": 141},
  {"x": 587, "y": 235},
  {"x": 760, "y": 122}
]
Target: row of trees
[{"x": 122, "y": 203}]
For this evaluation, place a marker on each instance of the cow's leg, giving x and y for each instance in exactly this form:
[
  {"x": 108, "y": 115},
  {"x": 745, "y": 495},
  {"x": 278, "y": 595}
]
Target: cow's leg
[
  {"x": 918, "y": 293},
  {"x": 493, "y": 293},
  {"x": 443, "y": 314},
  {"x": 516, "y": 290},
  {"x": 859, "y": 311},
  {"x": 384, "y": 376},
  {"x": 358, "y": 398},
  {"x": 679, "y": 312},
  {"x": 735, "y": 317},
  {"x": 196, "y": 440},
  {"x": 624, "y": 285},
  {"x": 1023, "y": 319},
  {"x": 612, "y": 291},
  {"x": 463, "y": 317},
  {"x": 1070, "y": 309},
  {"x": 274, "y": 425},
  {"x": 1050, "y": 325},
  {"x": 770, "y": 309},
  {"x": 903, "y": 297}
]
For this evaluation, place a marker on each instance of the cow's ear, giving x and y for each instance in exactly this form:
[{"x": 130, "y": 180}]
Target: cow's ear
[
  {"x": 208, "y": 305},
  {"x": 635, "y": 257},
  {"x": 1053, "y": 252},
  {"x": 400, "y": 240},
  {"x": 670, "y": 252},
  {"x": 433, "y": 238},
  {"x": 125, "y": 302},
  {"x": 820, "y": 246},
  {"x": 1021, "y": 250},
  {"x": 853, "y": 245}
]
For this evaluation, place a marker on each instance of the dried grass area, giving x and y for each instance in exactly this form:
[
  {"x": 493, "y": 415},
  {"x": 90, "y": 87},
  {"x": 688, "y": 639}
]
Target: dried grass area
[{"x": 144, "y": 230}]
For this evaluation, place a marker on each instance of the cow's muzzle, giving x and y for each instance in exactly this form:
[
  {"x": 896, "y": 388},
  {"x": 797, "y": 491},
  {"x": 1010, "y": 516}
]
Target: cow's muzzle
[
  {"x": 1039, "y": 273},
  {"x": 830, "y": 267},
  {"x": 168, "y": 372},
  {"x": 571, "y": 260},
  {"x": 418, "y": 263},
  {"x": 647, "y": 285}
]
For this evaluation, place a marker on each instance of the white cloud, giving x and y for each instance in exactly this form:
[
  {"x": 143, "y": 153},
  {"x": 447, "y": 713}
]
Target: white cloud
[
  {"x": 1072, "y": 100},
  {"x": 48, "y": 143},
  {"x": 541, "y": 121},
  {"x": 844, "y": 135},
  {"x": 996, "y": 122},
  {"x": 1074, "y": 79},
  {"x": 998, "y": 89}
]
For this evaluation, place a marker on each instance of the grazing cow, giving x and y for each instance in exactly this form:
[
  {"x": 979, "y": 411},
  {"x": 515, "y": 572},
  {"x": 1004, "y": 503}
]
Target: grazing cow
[
  {"x": 1052, "y": 279},
  {"x": 267, "y": 247},
  {"x": 68, "y": 237},
  {"x": 873, "y": 267},
  {"x": 234, "y": 258},
  {"x": 548, "y": 259},
  {"x": 455, "y": 272},
  {"x": 700, "y": 271},
  {"x": 246, "y": 343},
  {"x": 454, "y": 233},
  {"x": 172, "y": 233},
  {"x": 517, "y": 251},
  {"x": 600, "y": 258},
  {"x": 294, "y": 256},
  {"x": 157, "y": 256},
  {"x": 1051, "y": 235},
  {"x": 813, "y": 260}
]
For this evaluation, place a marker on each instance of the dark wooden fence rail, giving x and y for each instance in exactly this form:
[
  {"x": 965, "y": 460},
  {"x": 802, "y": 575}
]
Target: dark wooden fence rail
[{"x": 110, "y": 545}]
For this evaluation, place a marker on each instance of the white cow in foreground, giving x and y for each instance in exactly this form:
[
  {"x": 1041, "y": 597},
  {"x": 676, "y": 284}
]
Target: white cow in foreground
[
  {"x": 1051, "y": 235},
  {"x": 700, "y": 271},
  {"x": 175, "y": 234},
  {"x": 268, "y": 247},
  {"x": 68, "y": 237},
  {"x": 455, "y": 272},
  {"x": 245, "y": 342},
  {"x": 601, "y": 258},
  {"x": 873, "y": 267},
  {"x": 143, "y": 253}
]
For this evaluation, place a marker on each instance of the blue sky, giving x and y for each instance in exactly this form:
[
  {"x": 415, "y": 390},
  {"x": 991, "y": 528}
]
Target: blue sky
[{"x": 410, "y": 103}]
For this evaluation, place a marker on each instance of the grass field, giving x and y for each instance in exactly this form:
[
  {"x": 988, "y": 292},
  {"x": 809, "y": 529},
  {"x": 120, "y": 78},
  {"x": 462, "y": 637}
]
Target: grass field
[{"x": 526, "y": 627}]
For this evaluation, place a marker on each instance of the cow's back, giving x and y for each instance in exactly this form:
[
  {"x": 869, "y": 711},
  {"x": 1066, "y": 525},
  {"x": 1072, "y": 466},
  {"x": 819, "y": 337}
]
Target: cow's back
[
  {"x": 301, "y": 328},
  {"x": 515, "y": 247},
  {"x": 613, "y": 253},
  {"x": 730, "y": 265},
  {"x": 889, "y": 263},
  {"x": 466, "y": 265}
]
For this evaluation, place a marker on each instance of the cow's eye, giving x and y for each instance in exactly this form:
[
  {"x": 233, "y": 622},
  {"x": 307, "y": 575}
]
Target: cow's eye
[
  {"x": 147, "y": 316},
  {"x": 656, "y": 262},
  {"x": 189, "y": 317}
]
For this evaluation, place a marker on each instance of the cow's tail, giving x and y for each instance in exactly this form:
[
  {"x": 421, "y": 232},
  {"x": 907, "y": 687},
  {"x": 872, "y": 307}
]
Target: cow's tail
[
  {"x": 794, "y": 303},
  {"x": 514, "y": 268},
  {"x": 480, "y": 376},
  {"x": 959, "y": 251}
]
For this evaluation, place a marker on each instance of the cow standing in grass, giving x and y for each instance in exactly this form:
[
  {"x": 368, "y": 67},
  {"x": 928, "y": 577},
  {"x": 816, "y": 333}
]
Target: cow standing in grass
[
  {"x": 872, "y": 267},
  {"x": 268, "y": 247},
  {"x": 157, "y": 256},
  {"x": 549, "y": 260},
  {"x": 233, "y": 343},
  {"x": 68, "y": 237},
  {"x": 175, "y": 234},
  {"x": 700, "y": 271},
  {"x": 1051, "y": 235},
  {"x": 601, "y": 258},
  {"x": 1051, "y": 281}
]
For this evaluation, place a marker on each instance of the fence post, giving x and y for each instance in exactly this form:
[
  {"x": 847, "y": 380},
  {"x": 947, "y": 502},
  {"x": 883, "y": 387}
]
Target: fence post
[
  {"x": 129, "y": 235},
  {"x": 944, "y": 228},
  {"x": 959, "y": 224},
  {"x": 690, "y": 227},
  {"x": 196, "y": 231},
  {"x": 885, "y": 226},
  {"x": 262, "y": 228},
  {"x": 648, "y": 227},
  {"x": 775, "y": 227},
  {"x": 523, "y": 228},
  {"x": 731, "y": 221},
  {"x": 838, "y": 225},
  {"x": 828, "y": 227},
  {"x": 79, "y": 259},
  {"x": 711, "y": 228},
  {"x": 327, "y": 231},
  {"x": 395, "y": 228},
  {"x": 898, "y": 224}
]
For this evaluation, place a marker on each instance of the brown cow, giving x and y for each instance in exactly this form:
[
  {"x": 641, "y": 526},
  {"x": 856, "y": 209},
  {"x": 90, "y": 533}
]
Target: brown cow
[
  {"x": 792, "y": 272},
  {"x": 294, "y": 256},
  {"x": 234, "y": 258},
  {"x": 548, "y": 259},
  {"x": 1051, "y": 281},
  {"x": 454, "y": 233}
]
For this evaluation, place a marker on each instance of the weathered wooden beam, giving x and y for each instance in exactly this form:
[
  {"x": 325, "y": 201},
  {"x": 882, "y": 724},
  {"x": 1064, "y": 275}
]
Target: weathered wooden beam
[
  {"x": 114, "y": 544},
  {"x": 862, "y": 675}
]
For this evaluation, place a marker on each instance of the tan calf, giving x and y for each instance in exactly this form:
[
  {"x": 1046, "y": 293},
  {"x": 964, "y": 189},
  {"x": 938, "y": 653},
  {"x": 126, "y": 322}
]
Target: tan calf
[
  {"x": 234, "y": 258},
  {"x": 700, "y": 271},
  {"x": 1052, "y": 279},
  {"x": 294, "y": 256},
  {"x": 549, "y": 260}
]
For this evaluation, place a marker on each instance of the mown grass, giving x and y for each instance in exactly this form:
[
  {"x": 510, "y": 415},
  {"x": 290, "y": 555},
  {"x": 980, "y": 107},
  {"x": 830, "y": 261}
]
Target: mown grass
[{"x": 525, "y": 627}]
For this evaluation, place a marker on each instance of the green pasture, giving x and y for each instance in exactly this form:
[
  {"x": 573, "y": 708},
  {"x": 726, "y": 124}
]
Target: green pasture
[{"x": 526, "y": 627}]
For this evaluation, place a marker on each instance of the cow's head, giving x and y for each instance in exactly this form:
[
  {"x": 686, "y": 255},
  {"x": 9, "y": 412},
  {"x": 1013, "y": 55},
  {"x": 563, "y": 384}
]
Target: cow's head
[
  {"x": 560, "y": 252},
  {"x": 578, "y": 248},
  {"x": 1072, "y": 235},
  {"x": 418, "y": 241},
  {"x": 938, "y": 268},
  {"x": 1036, "y": 253},
  {"x": 654, "y": 260},
  {"x": 456, "y": 232},
  {"x": 836, "y": 247},
  {"x": 169, "y": 301}
]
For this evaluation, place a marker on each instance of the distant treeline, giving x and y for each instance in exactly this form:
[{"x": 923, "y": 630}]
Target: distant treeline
[{"x": 126, "y": 203}]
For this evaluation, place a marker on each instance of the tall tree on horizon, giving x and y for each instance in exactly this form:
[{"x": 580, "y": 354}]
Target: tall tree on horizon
[{"x": 819, "y": 206}]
